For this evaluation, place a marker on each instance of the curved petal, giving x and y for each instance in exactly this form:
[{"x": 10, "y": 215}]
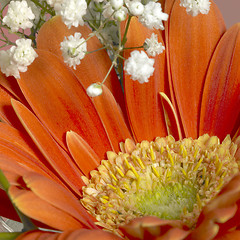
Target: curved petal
[
  {"x": 40, "y": 210},
  {"x": 191, "y": 42},
  {"x": 59, "y": 197},
  {"x": 18, "y": 149},
  {"x": 221, "y": 97},
  {"x": 232, "y": 235},
  {"x": 93, "y": 67},
  {"x": 112, "y": 118},
  {"x": 54, "y": 154},
  {"x": 216, "y": 214},
  {"x": 61, "y": 103},
  {"x": 79, "y": 234},
  {"x": 152, "y": 228},
  {"x": 143, "y": 102},
  {"x": 82, "y": 153}
]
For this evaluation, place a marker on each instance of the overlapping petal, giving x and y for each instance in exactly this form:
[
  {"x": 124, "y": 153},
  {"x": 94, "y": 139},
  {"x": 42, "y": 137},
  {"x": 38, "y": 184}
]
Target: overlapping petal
[
  {"x": 191, "y": 42},
  {"x": 221, "y": 96}
]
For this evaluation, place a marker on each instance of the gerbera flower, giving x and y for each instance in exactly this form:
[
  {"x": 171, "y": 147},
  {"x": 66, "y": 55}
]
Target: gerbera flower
[{"x": 151, "y": 186}]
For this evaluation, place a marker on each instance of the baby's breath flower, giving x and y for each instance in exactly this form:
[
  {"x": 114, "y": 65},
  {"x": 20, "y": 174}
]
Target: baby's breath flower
[
  {"x": 17, "y": 58},
  {"x": 152, "y": 46},
  {"x": 94, "y": 90},
  {"x": 19, "y": 15},
  {"x": 120, "y": 14},
  {"x": 136, "y": 8},
  {"x": 153, "y": 16},
  {"x": 6, "y": 66},
  {"x": 73, "y": 49},
  {"x": 194, "y": 7},
  {"x": 116, "y": 4},
  {"x": 72, "y": 12},
  {"x": 139, "y": 66}
]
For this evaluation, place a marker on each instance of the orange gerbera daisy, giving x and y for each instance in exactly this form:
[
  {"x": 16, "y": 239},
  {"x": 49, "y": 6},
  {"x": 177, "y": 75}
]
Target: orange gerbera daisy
[{"x": 151, "y": 186}]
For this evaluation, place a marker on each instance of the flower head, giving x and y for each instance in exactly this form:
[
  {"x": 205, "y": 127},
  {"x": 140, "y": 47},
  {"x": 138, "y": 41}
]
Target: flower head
[
  {"x": 152, "y": 46},
  {"x": 153, "y": 16},
  {"x": 73, "y": 49},
  {"x": 69, "y": 145},
  {"x": 19, "y": 15},
  {"x": 139, "y": 66},
  {"x": 194, "y": 7}
]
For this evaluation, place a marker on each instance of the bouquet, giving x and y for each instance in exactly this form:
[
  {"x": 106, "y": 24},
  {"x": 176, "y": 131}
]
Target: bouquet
[{"x": 120, "y": 119}]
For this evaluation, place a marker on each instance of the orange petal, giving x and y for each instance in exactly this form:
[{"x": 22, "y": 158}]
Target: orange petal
[
  {"x": 40, "y": 210},
  {"x": 191, "y": 42},
  {"x": 79, "y": 234},
  {"x": 82, "y": 153},
  {"x": 59, "y": 197},
  {"x": 152, "y": 228},
  {"x": 93, "y": 67},
  {"x": 220, "y": 104},
  {"x": 22, "y": 152},
  {"x": 54, "y": 154},
  {"x": 142, "y": 100},
  {"x": 112, "y": 118},
  {"x": 232, "y": 235},
  {"x": 61, "y": 103}
]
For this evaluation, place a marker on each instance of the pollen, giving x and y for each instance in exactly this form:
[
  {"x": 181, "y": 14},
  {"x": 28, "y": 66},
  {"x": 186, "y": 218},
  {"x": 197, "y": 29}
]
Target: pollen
[{"x": 164, "y": 178}]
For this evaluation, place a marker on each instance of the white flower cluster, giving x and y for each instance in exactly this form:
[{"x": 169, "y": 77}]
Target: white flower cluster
[
  {"x": 139, "y": 66},
  {"x": 17, "y": 58},
  {"x": 152, "y": 46},
  {"x": 149, "y": 13},
  {"x": 73, "y": 49},
  {"x": 194, "y": 7},
  {"x": 72, "y": 11},
  {"x": 19, "y": 15}
]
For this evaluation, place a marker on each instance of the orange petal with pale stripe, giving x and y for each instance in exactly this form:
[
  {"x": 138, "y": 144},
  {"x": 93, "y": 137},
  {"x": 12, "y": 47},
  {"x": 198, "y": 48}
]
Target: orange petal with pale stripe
[
  {"x": 61, "y": 103},
  {"x": 94, "y": 67},
  {"x": 112, "y": 118},
  {"x": 221, "y": 97},
  {"x": 40, "y": 210},
  {"x": 191, "y": 42},
  {"x": 82, "y": 153},
  {"x": 59, "y": 197},
  {"x": 54, "y": 154},
  {"x": 142, "y": 100}
]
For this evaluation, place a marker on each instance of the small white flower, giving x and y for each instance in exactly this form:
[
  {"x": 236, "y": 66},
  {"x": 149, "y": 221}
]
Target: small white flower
[
  {"x": 153, "y": 16},
  {"x": 139, "y": 66},
  {"x": 17, "y": 58},
  {"x": 136, "y": 8},
  {"x": 94, "y": 90},
  {"x": 152, "y": 46},
  {"x": 194, "y": 7},
  {"x": 116, "y": 4},
  {"x": 52, "y": 3},
  {"x": 120, "y": 14},
  {"x": 72, "y": 12},
  {"x": 19, "y": 15},
  {"x": 6, "y": 66},
  {"x": 73, "y": 49}
]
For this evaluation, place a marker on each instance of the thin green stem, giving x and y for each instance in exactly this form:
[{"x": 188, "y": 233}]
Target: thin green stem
[{"x": 124, "y": 40}]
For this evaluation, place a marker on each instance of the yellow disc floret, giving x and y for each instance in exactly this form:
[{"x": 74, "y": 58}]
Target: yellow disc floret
[{"x": 164, "y": 178}]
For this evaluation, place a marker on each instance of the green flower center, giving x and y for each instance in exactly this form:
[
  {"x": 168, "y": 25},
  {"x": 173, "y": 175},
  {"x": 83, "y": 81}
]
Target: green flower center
[{"x": 164, "y": 178}]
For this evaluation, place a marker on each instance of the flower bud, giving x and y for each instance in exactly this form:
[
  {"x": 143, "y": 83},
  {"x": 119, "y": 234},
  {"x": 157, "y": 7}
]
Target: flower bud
[
  {"x": 116, "y": 4},
  {"x": 136, "y": 8},
  {"x": 94, "y": 90},
  {"x": 120, "y": 15}
]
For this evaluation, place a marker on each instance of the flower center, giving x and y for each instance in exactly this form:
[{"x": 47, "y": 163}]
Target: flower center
[{"x": 164, "y": 178}]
